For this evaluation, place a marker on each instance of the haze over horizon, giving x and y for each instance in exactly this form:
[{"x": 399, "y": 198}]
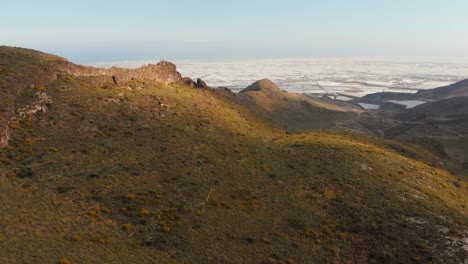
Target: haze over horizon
[{"x": 87, "y": 32}]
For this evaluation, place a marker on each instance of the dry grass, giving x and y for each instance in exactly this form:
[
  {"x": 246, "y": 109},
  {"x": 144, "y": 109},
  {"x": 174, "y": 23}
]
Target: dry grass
[{"x": 173, "y": 174}]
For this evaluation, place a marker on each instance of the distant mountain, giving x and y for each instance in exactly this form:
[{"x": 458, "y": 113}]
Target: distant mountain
[
  {"x": 454, "y": 90},
  {"x": 382, "y": 97},
  {"x": 447, "y": 109}
]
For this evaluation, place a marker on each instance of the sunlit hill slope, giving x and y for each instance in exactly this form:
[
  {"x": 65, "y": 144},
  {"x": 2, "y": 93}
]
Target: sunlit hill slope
[{"x": 141, "y": 166}]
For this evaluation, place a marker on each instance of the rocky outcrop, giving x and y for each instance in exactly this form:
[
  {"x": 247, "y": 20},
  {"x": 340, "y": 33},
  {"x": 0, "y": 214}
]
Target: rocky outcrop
[
  {"x": 186, "y": 81},
  {"x": 22, "y": 69},
  {"x": 115, "y": 79},
  {"x": 226, "y": 93},
  {"x": 40, "y": 105},
  {"x": 4, "y": 133},
  {"x": 201, "y": 84},
  {"x": 44, "y": 68},
  {"x": 164, "y": 72}
]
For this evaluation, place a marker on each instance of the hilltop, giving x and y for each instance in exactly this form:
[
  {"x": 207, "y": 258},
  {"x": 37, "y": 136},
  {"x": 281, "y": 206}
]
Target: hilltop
[
  {"x": 164, "y": 170},
  {"x": 294, "y": 111}
]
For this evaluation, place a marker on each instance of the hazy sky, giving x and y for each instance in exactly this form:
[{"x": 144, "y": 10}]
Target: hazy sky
[{"x": 96, "y": 30}]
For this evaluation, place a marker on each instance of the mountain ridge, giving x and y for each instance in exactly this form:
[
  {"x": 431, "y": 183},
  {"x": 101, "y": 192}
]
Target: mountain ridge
[
  {"x": 457, "y": 89},
  {"x": 453, "y": 90}
]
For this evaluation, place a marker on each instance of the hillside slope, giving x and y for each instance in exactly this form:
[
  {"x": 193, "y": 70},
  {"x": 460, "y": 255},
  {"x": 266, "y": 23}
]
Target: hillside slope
[
  {"x": 447, "y": 109},
  {"x": 441, "y": 126},
  {"x": 147, "y": 172},
  {"x": 453, "y": 90},
  {"x": 21, "y": 69},
  {"x": 292, "y": 110},
  {"x": 457, "y": 89}
]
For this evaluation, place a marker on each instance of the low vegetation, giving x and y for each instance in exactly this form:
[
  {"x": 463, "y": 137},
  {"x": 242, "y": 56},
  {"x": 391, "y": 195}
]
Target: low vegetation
[{"x": 153, "y": 173}]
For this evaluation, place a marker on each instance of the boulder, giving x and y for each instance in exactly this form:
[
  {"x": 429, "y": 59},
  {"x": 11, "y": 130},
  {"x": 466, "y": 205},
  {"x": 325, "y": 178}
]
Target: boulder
[
  {"x": 202, "y": 85},
  {"x": 226, "y": 93},
  {"x": 186, "y": 81}
]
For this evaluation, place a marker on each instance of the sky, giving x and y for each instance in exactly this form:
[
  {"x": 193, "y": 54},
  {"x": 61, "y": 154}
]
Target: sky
[{"x": 95, "y": 30}]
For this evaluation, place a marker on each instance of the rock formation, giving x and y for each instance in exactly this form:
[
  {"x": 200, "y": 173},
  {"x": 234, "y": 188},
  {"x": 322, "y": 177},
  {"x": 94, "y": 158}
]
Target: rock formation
[
  {"x": 164, "y": 72},
  {"x": 201, "y": 84}
]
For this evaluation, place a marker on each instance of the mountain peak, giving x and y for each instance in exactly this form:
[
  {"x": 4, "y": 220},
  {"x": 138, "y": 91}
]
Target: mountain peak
[{"x": 262, "y": 85}]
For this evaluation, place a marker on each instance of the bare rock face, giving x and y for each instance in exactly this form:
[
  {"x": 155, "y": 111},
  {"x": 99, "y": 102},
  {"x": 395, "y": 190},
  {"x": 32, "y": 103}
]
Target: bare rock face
[
  {"x": 226, "y": 93},
  {"x": 167, "y": 64},
  {"x": 201, "y": 84},
  {"x": 164, "y": 72},
  {"x": 186, "y": 81},
  {"x": 4, "y": 133},
  {"x": 115, "y": 79},
  {"x": 41, "y": 105}
]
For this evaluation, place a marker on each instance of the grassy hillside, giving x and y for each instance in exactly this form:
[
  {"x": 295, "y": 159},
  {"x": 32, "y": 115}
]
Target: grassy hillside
[
  {"x": 143, "y": 172},
  {"x": 441, "y": 127},
  {"x": 21, "y": 69},
  {"x": 294, "y": 111}
]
